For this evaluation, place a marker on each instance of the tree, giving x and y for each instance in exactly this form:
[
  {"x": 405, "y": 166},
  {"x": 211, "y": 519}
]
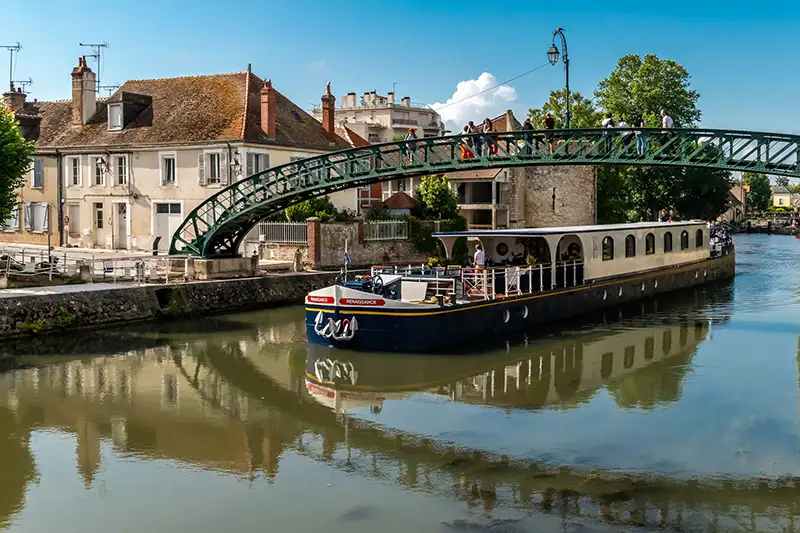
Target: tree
[
  {"x": 793, "y": 188},
  {"x": 760, "y": 196},
  {"x": 782, "y": 181},
  {"x": 582, "y": 110},
  {"x": 316, "y": 207},
  {"x": 438, "y": 200},
  {"x": 645, "y": 86},
  {"x": 704, "y": 193},
  {"x": 15, "y": 161}
]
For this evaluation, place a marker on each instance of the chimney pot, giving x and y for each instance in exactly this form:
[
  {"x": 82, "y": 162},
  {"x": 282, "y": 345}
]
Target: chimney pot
[
  {"x": 328, "y": 110},
  {"x": 269, "y": 109}
]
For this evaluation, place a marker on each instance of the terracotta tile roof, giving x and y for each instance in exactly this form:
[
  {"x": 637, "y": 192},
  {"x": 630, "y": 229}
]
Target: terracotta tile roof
[
  {"x": 353, "y": 138},
  {"x": 482, "y": 174},
  {"x": 399, "y": 200},
  {"x": 506, "y": 122},
  {"x": 187, "y": 109}
]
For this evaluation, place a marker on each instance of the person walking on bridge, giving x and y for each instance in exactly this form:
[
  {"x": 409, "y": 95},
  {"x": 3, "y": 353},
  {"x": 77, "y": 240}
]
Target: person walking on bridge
[
  {"x": 471, "y": 128},
  {"x": 490, "y": 141},
  {"x": 669, "y": 126},
  {"x": 608, "y": 123},
  {"x": 527, "y": 148},
  {"x": 641, "y": 138},
  {"x": 411, "y": 145},
  {"x": 549, "y": 123}
]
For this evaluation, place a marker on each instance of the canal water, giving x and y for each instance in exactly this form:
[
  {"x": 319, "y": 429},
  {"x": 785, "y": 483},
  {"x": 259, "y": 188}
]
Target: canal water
[{"x": 676, "y": 414}]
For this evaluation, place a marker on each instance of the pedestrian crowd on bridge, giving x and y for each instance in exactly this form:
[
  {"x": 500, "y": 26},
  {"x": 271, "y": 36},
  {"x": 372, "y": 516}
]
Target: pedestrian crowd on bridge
[{"x": 486, "y": 144}]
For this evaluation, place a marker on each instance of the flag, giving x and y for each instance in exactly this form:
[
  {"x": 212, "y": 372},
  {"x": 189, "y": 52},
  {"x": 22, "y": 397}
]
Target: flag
[{"x": 346, "y": 260}]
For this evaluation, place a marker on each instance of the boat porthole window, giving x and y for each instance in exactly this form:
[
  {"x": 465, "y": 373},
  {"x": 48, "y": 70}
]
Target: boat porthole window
[
  {"x": 605, "y": 294},
  {"x": 655, "y": 284},
  {"x": 620, "y": 291},
  {"x": 525, "y": 311},
  {"x": 506, "y": 315}
]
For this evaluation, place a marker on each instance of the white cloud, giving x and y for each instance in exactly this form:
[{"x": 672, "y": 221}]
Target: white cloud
[
  {"x": 318, "y": 65},
  {"x": 467, "y": 106}
]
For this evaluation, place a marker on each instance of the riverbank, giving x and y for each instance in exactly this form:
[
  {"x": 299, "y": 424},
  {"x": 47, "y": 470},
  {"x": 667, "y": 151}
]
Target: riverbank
[{"x": 67, "y": 308}]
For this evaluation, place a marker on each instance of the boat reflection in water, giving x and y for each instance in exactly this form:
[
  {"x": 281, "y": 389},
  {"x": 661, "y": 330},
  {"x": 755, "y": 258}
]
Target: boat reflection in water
[{"x": 240, "y": 397}]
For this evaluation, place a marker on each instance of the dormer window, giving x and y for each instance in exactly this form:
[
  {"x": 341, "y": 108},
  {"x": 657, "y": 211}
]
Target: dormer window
[{"x": 114, "y": 117}]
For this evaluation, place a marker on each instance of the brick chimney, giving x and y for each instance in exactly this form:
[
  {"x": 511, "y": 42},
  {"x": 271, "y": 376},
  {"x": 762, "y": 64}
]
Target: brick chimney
[
  {"x": 269, "y": 109},
  {"x": 84, "y": 97},
  {"x": 328, "y": 110},
  {"x": 14, "y": 100}
]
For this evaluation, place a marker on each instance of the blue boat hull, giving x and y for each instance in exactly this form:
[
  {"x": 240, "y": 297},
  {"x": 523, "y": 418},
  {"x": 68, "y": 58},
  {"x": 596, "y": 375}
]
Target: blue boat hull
[{"x": 412, "y": 330}]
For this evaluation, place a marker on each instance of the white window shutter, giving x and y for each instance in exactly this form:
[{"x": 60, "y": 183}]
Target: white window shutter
[
  {"x": 264, "y": 162},
  {"x": 249, "y": 166},
  {"x": 201, "y": 168},
  {"x": 28, "y": 217},
  {"x": 224, "y": 170},
  {"x": 46, "y": 218}
]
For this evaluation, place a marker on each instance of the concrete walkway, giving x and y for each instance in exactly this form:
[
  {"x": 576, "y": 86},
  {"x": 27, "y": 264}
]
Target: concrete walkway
[{"x": 64, "y": 289}]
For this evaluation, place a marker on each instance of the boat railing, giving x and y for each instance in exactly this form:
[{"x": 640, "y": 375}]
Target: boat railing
[{"x": 492, "y": 282}]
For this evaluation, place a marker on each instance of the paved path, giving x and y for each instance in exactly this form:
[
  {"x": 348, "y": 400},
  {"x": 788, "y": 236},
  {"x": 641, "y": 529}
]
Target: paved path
[{"x": 64, "y": 289}]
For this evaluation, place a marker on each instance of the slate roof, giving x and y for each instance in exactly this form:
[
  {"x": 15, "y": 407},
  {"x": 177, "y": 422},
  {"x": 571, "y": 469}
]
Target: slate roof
[
  {"x": 219, "y": 107},
  {"x": 780, "y": 190}
]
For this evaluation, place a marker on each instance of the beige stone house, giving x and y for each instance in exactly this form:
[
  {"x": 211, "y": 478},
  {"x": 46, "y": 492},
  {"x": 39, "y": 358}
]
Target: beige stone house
[
  {"x": 123, "y": 172},
  {"x": 525, "y": 196},
  {"x": 781, "y": 197}
]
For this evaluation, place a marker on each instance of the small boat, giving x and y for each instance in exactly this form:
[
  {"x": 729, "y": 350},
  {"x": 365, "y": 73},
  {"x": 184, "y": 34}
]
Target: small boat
[{"x": 533, "y": 276}]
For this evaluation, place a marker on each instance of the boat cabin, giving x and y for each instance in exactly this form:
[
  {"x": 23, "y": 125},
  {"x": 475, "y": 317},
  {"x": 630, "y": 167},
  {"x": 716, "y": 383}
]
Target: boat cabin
[{"x": 569, "y": 256}]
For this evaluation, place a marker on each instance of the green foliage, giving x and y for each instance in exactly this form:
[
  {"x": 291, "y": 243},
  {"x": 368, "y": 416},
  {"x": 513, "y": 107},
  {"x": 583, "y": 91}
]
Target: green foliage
[
  {"x": 378, "y": 212},
  {"x": 32, "y": 327},
  {"x": 420, "y": 233},
  {"x": 760, "y": 196},
  {"x": 15, "y": 161},
  {"x": 793, "y": 188},
  {"x": 645, "y": 86},
  {"x": 396, "y": 138},
  {"x": 780, "y": 209},
  {"x": 437, "y": 200},
  {"x": 63, "y": 320},
  {"x": 316, "y": 207},
  {"x": 782, "y": 181},
  {"x": 582, "y": 110}
]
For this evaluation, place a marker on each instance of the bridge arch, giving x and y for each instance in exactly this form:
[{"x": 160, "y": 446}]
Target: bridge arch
[{"x": 218, "y": 225}]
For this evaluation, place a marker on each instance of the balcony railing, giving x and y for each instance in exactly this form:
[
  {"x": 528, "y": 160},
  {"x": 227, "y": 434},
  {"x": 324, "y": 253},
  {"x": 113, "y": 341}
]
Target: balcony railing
[
  {"x": 283, "y": 232},
  {"x": 405, "y": 121}
]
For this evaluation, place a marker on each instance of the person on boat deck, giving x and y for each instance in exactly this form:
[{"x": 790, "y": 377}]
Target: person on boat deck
[
  {"x": 518, "y": 257},
  {"x": 480, "y": 257}
]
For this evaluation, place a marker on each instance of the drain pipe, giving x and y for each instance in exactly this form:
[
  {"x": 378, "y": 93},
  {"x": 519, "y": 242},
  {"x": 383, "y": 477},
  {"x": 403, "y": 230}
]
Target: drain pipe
[{"x": 60, "y": 197}]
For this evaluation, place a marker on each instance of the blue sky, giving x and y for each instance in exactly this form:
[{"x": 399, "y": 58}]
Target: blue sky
[{"x": 744, "y": 57}]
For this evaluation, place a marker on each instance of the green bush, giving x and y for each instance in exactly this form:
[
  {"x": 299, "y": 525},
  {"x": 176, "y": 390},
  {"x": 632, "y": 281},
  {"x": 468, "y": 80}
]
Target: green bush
[
  {"x": 420, "y": 233},
  {"x": 378, "y": 212},
  {"x": 318, "y": 207}
]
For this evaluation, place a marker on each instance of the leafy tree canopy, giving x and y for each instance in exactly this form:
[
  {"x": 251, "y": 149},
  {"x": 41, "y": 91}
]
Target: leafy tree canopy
[
  {"x": 760, "y": 196},
  {"x": 646, "y": 85},
  {"x": 15, "y": 161},
  {"x": 582, "y": 110},
  {"x": 438, "y": 201},
  {"x": 782, "y": 181},
  {"x": 316, "y": 207}
]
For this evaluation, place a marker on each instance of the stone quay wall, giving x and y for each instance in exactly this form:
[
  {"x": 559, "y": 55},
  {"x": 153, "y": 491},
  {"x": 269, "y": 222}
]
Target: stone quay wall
[
  {"x": 62, "y": 312},
  {"x": 363, "y": 253}
]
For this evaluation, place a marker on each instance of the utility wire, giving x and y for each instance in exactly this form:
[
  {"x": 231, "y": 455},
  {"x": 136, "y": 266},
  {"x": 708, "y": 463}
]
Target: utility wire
[{"x": 493, "y": 87}]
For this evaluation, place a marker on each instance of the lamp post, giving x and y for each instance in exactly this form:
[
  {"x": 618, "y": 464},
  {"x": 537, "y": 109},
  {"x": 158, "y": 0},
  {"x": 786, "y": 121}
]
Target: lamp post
[{"x": 552, "y": 57}]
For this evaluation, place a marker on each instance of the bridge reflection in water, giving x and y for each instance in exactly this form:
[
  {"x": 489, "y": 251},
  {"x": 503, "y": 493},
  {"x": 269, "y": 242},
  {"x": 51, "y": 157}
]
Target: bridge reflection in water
[{"x": 237, "y": 401}]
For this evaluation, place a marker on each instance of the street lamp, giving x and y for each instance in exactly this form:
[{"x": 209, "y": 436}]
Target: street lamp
[{"x": 553, "y": 55}]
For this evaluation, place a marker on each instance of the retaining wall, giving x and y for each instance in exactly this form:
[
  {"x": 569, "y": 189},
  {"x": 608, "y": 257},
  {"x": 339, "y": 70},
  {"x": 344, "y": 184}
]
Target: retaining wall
[{"x": 40, "y": 313}]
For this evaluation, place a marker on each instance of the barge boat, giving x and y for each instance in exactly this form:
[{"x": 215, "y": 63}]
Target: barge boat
[{"x": 565, "y": 272}]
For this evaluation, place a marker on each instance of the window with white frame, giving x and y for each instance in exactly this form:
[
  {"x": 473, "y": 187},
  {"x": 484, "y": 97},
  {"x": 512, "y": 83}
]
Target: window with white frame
[
  {"x": 36, "y": 216},
  {"x": 168, "y": 169},
  {"x": 74, "y": 178},
  {"x": 213, "y": 169},
  {"x": 37, "y": 173},
  {"x": 121, "y": 169},
  {"x": 114, "y": 117},
  {"x": 98, "y": 172},
  {"x": 256, "y": 162},
  {"x": 12, "y": 222}
]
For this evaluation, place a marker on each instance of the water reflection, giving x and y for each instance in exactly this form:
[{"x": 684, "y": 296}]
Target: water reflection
[{"x": 237, "y": 394}]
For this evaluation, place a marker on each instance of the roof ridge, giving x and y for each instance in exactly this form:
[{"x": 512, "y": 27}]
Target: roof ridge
[{"x": 187, "y": 77}]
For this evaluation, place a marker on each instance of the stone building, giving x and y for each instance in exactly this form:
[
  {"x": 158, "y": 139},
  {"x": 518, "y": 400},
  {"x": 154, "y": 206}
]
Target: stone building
[{"x": 536, "y": 196}]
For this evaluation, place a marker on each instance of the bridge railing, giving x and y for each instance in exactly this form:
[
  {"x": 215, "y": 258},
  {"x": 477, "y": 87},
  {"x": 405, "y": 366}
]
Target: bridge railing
[{"x": 218, "y": 225}]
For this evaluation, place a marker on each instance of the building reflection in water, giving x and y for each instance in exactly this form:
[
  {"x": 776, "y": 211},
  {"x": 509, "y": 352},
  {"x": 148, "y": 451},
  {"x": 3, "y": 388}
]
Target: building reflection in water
[{"x": 238, "y": 402}]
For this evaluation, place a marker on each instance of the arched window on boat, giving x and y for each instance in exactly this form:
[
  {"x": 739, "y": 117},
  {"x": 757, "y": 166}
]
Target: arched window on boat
[
  {"x": 630, "y": 246},
  {"x": 650, "y": 244},
  {"x": 698, "y": 239},
  {"x": 684, "y": 240},
  {"x": 608, "y": 249},
  {"x": 668, "y": 242}
]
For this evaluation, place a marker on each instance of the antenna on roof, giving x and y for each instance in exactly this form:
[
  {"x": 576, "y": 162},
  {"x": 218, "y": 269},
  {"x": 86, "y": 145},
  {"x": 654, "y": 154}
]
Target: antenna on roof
[
  {"x": 96, "y": 55},
  {"x": 11, "y": 49},
  {"x": 109, "y": 88},
  {"x": 23, "y": 83}
]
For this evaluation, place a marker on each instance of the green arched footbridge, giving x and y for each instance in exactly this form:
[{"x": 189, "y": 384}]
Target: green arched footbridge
[{"x": 217, "y": 226}]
